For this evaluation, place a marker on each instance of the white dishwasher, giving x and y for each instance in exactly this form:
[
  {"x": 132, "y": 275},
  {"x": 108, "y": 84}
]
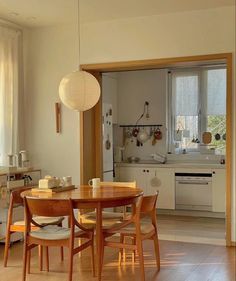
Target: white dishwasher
[{"x": 193, "y": 191}]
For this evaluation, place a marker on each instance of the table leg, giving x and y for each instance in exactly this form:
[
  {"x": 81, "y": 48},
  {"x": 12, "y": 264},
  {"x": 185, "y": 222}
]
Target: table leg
[{"x": 99, "y": 240}]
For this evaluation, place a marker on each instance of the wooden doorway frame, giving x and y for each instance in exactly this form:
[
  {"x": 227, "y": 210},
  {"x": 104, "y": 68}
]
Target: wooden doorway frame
[{"x": 91, "y": 123}]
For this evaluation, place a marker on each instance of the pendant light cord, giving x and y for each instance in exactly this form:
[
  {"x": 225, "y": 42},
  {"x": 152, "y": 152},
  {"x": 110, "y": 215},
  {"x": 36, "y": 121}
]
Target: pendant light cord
[{"x": 79, "y": 35}]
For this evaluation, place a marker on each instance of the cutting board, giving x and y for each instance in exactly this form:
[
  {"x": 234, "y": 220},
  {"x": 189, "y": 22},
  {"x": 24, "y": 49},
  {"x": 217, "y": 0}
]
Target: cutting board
[
  {"x": 206, "y": 137},
  {"x": 55, "y": 189}
]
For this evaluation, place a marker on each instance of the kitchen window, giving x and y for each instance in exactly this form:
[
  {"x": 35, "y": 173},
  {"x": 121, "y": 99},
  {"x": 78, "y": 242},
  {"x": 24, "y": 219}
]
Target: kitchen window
[{"x": 198, "y": 105}]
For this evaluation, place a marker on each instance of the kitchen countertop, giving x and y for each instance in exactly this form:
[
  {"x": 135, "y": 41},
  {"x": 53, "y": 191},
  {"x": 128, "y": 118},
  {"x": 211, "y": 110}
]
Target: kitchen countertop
[
  {"x": 154, "y": 164},
  {"x": 15, "y": 170}
]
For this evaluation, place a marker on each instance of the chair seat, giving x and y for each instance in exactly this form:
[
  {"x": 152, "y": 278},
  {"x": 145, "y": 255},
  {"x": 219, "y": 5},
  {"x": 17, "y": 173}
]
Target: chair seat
[
  {"x": 43, "y": 220},
  {"x": 105, "y": 216},
  {"x": 54, "y": 232},
  {"x": 130, "y": 229}
]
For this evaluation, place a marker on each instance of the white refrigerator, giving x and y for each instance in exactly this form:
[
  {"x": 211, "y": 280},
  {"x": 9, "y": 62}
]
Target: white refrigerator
[{"x": 107, "y": 142}]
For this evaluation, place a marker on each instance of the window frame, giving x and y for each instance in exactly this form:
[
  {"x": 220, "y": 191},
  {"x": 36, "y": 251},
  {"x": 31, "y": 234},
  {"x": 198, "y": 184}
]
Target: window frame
[{"x": 202, "y": 89}]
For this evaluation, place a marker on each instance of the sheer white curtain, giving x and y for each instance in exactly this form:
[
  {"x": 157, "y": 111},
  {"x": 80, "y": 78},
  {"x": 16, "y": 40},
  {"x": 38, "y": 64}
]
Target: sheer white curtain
[{"x": 10, "y": 87}]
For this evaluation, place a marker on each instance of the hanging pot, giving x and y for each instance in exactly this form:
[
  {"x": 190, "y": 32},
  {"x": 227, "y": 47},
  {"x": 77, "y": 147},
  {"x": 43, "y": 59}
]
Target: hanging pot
[
  {"x": 158, "y": 134},
  {"x": 135, "y": 132},
  {"x": 142, "y": 136}
]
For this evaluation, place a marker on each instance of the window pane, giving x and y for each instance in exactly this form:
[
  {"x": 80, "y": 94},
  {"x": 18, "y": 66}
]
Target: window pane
[
  {"x": 216, "y": 107},
  {"x": 216, "y": 92},
  {"x": 216, "y": 124},
  {"x": 185, "y": 94},
  {"x": 189, "y": 127}
]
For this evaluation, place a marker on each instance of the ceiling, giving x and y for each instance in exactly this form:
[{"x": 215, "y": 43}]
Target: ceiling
[{"x": 38, "y": 13}]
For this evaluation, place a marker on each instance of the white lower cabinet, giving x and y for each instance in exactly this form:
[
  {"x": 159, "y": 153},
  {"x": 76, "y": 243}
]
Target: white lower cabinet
[
  {"x": 218, "y": 190},
  {"x": 163, "y": 179},
  {"x": 150, "y": 180}
]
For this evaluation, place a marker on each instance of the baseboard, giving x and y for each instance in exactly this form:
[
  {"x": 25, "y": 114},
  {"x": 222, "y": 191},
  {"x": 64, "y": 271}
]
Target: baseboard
[
  {"x": 191, "y": 213},
  {"x": 233, "y": 243}
]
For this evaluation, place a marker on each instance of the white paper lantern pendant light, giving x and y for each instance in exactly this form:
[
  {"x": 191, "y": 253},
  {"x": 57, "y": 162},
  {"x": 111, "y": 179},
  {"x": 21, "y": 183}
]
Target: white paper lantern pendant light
[{"x": 79, "y": 90}]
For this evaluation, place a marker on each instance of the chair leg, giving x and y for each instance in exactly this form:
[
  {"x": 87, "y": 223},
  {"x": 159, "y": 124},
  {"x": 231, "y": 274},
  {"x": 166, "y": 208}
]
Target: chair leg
[
  {"x": 93, "y": 264},
  {"x": 71, "y": 255},
  {"x": 29, "y": 260},
  {"x": 24, "y": 261},
  {"x": 124, "y": 251},
  {"x": 6, "y": 250},
  {"x": 102, "y": 253},
  {"x": 157, "y": 252},
  {"x": 134, "y": 251},
  {"x": 62, "y": 254},
  {"x": 121, "y": 252},
  {"x": 141, "y": 259},
  {"x": 40, "y": 248},
  {"x": 47, "y": 259}
]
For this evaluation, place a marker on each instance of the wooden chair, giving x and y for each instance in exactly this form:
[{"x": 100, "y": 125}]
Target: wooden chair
[
  {"x": 19, "y": 226},
  {"x": 108, "y": 217},
  {"x": 139, "y": 228},
  {"x": 53, "y": 235}
]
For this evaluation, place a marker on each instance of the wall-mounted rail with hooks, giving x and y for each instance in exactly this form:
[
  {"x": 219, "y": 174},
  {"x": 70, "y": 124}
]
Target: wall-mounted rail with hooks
[{"x": 140, "y": 126}]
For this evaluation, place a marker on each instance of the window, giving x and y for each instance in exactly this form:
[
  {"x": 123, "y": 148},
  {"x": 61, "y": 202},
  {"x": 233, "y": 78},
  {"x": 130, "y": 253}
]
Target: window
[
  {"x": 198, "y": 101},
  {"x": 10, "y": 85}
]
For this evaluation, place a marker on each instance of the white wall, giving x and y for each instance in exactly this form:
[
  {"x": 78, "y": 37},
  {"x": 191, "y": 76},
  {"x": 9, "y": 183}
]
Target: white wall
[
  {"x": 170, "y": 35},
  {"x": 51, "y": 53},
  {"x": 134, "y": 88}
]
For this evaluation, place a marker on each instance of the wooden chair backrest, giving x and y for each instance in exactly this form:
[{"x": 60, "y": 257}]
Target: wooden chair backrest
[
  {"x": 15, "y": 201},
  {"x": 149, "y": 203},
  {"x": 15, "y": 197},
  {"x": 47, "y": 207},
  {"x": 50, "y": 208},
  {"x": 120, "y": 184}
]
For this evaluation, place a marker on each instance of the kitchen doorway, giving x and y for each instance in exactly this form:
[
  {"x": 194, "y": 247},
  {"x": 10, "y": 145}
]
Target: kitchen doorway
[{"x": 91, "y": 150}]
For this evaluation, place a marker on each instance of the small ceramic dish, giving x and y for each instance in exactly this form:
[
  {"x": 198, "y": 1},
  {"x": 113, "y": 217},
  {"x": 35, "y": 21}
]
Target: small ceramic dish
[{"x": 133, "y": 159}]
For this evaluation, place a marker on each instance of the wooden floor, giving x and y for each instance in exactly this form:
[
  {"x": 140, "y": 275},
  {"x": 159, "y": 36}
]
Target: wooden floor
[
  {"x": 192, "y": 229},
  {"x": 179, "y": 262}
]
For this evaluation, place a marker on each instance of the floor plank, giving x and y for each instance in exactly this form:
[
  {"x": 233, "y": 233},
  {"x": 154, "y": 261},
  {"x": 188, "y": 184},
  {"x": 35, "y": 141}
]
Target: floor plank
[
  {"x": 192, "y": 229},
  {"x": 179, "y": 262}
]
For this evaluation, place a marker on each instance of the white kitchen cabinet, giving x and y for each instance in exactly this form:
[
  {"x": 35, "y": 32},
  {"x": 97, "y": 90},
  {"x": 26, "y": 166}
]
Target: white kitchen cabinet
[
  {"x": 218, "y": 190},
  {"x": 3, "y": 180},
  {"x": 162, "y": 179},
  {"x": 150, "y": 180},
  {"x": 133, "y": 174}
]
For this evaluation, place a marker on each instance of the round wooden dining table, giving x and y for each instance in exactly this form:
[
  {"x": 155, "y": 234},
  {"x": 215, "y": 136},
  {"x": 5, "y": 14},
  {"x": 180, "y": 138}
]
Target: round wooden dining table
[{"x": 97, "y": 198}]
